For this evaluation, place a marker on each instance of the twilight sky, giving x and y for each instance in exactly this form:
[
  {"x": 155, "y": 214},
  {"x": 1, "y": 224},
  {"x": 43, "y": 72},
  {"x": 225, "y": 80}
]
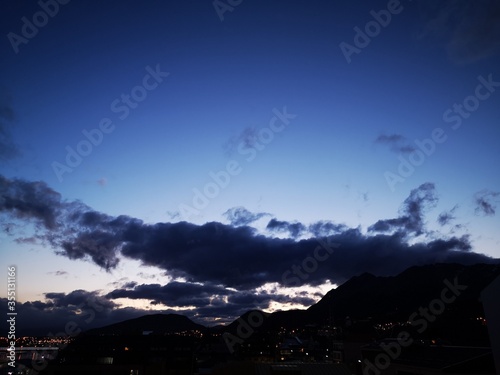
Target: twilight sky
[{"x": 210, "y": 157}]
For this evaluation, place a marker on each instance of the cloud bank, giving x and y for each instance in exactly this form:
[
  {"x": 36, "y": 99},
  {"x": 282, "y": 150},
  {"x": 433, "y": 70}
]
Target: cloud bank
[{"x": 224, "y": 267}]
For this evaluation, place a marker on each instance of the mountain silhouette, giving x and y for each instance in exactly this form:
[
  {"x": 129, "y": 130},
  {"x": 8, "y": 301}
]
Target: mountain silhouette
[
  {"x": 363, "y": 298},
  {"x": 156, "y": 324}
]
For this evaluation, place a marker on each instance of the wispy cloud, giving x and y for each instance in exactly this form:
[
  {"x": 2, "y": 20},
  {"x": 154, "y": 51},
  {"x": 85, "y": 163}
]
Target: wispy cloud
[
  {"x": 446, "y": 217},
  {"x": 486, "y": 202},
  {"x": 241, "y": 216},
  {"x": 102, "y": 181},
  {"x": 8, "y": 148},
  {"x": 411, "y": 219},
  {"x": 173, "y": 215},
  {"x": 58, "y": 273},
  {"x": 396, "y": 142},
  {"x": 246, "y": 139},
  {"x": 470, "y": 30}
]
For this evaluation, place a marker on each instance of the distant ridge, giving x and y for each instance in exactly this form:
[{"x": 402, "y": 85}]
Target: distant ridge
[
  {"x": 362, "y": 298},
  {"x": 156, "y": 324},
  {"x": 399, "y": 296}
]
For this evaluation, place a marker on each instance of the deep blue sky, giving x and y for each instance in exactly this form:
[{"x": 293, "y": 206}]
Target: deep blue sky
[{"x": 335, "y": 159}]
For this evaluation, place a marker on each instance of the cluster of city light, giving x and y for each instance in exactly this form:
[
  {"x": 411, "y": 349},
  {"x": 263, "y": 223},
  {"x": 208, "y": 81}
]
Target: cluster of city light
[
  {"x": 35, "y": 342},
  {"x": 284, "y": 331},
  {"x": 386, "y": 326},
  {"x": 481, "y": 320},
  {"x": 190, "y": 333}
]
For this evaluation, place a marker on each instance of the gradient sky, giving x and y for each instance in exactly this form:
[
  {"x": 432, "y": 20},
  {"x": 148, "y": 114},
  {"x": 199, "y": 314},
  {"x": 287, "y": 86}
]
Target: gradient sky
[{"x": 233, "y": 72}]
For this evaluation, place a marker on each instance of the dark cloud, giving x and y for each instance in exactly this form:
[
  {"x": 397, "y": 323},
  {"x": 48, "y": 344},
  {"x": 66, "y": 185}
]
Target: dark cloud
[
  {"x": 86, "y": 310},
  {"x": 411, "y": 219},
  {"x": 210, "y": 301},
  {"x": 396, "y": 142},
  {"x": 470, "y": 30},
  {"x": 294, "y": 230},
  {"x": 81, "y": 310},
  {"x": 31, "y": 201},
  {"x": 446, "y": 217},
  {"x": 8, "y": 149},
  {"x": 223, "y": 267},
  {"x": 460, "y": 244},
  {"x": 486, "y": 204},
  {"x": 77, "y": 299},
  {"x": 237, "y": 257},
  {"x": 72, "y": 228},
  {"x": 241, "y": 216},
  {"x": 226, "y": 256},
  {"x": 325, "y": 228},
  {"x": 99, "y": 245},
  {"x": 172, "y": 294},
  {"x": 242, "y": 260},
  {"x": 130, "y": 285}
]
